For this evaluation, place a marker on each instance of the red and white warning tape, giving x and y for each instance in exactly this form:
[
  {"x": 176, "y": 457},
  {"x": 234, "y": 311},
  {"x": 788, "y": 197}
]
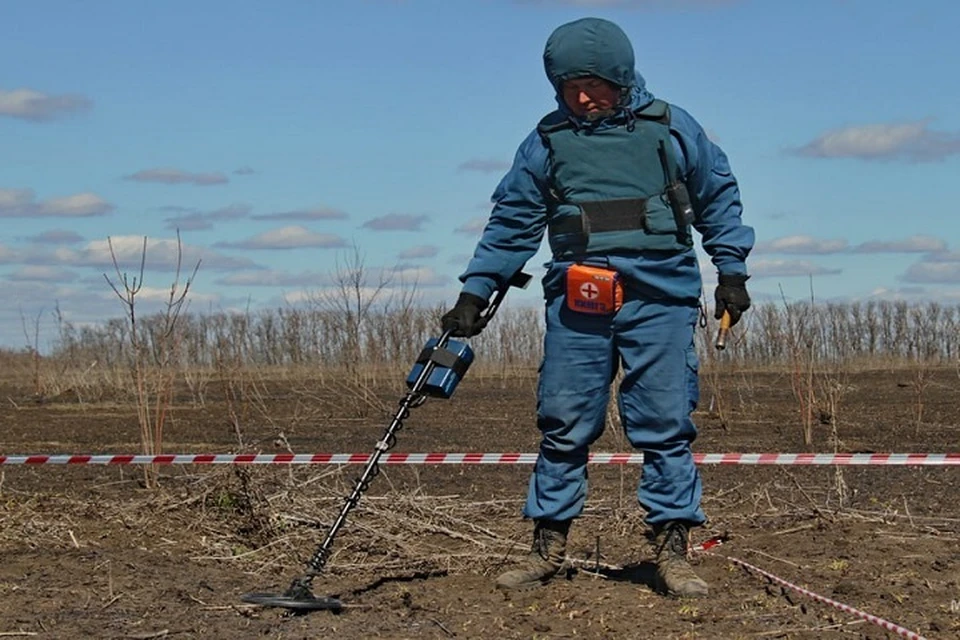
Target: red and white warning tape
[
  {"x": 928, "y": 459},
  {"x": 903, "y": 632},
  {"x": 852, "y": 459}
]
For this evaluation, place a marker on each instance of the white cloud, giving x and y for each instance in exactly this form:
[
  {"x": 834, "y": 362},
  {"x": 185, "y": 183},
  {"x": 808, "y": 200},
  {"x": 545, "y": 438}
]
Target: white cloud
[
  {"x": 161, "y": 255},
  {"x": 417, "y": 276},
  {"x": 298, "y": 297},
  {"x": 168, "y": 175},
  {"x": 199, "y": 220},
  {"x": 332, "y": 297},
  {"x": 42, "y": 273},
  {"x": 292, "y": 237},
  {"x": 396, "y": 222},
  {"x": 788, "y": 268},
  {"x": 933, "y": 273},
  {"x": 22, "y": 203},
  {"x": 34, "y": 106},
  {"x": 376, "y": 283},
  {"x": 943, "y": 256},
  {"x": 7, "y": 254},
  {"x": 484, "y": 166},
  {"x": 319, "y": 213},
  {"x": 56, "y": 236},
  {"x": 801, "y": 244},
  {"x": 472, "y": 227},
  {"x": 422, "y": 251},
  {"x": 916, "y": 294},
  {"x": 24, "y": 299},
  {"x": 911, "y": 141},
  {"x": 276, "y": 278},
  {"x": 78, "y": 205},
  {"x": 913, "y": 244},
  {"x": 80, "y": 305},
  {"x": 460, "y": 259},
  {"x": 160, "y": 295}
]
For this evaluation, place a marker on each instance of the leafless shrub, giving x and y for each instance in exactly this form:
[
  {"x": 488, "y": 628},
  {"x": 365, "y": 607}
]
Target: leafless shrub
[
  {"x": 349, "y": 305},
  {"x": 714, "y": 370},
  {"x": 154, "y": 350},
  {"x": 772, "y": 337},
  {"x": 365, "y": 331},
  {"x": 802, "y": 349},
  {"x": 33, "y": 348}
]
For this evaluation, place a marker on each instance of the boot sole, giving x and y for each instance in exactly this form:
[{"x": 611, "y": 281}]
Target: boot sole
[
  {"x": 524, "y": 586},
  {"x": 661, "y": 588},
  {"x": 687, "y": 596},
  {"x": 536, "y": 582}
]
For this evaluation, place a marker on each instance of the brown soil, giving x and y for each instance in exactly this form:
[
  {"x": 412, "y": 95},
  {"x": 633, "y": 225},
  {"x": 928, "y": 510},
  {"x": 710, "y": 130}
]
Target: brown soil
[{"x": 88, "y": 552}]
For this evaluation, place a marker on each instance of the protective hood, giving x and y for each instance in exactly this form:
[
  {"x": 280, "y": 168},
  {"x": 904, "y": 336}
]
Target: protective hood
[
  {"x": 597, "y": 47},
  {"x": 589, "y": 47}
]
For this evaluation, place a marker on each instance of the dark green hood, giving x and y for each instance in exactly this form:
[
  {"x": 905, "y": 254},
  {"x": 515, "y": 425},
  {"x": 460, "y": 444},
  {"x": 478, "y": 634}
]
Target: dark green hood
[{"x": 589, "y": 47}]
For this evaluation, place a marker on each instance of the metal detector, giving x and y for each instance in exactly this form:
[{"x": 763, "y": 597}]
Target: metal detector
[{"x": 436, "y": 373}]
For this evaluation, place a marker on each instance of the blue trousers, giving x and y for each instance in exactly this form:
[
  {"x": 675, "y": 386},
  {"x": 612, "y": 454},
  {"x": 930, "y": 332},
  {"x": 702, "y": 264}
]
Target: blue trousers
[{"x": 653, "y": 342}]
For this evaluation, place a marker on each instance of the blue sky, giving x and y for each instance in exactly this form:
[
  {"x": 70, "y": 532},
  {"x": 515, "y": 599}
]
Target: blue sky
[{"x": 279, "y": 136}]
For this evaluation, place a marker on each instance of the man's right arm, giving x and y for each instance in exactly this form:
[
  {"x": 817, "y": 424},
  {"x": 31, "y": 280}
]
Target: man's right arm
[{"x": 516, "y": 225}]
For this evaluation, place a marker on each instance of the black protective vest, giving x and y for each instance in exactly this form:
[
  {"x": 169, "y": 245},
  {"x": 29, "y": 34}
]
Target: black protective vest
[{"x": 615, "y": 189}]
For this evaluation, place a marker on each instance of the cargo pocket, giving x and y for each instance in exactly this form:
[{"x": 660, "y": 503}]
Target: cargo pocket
[{"x": 660, "y": 219}]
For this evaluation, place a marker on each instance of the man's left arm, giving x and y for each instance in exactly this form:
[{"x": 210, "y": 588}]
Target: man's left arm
[
  {"x": 716, "y": 202},
  {"x": 715, "y": 195}
]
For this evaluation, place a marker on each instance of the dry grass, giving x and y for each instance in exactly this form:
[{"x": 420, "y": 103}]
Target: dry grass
[{"x": 267, "y": 520}]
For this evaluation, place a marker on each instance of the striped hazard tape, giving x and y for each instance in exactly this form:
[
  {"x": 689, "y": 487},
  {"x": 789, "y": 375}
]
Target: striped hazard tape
[
  {"x": 850, "y": 459},
  {"x": 903, "y": 632}
]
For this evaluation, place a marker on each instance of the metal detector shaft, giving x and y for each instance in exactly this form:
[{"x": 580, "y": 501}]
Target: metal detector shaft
[{"x": 413, "y": 398}]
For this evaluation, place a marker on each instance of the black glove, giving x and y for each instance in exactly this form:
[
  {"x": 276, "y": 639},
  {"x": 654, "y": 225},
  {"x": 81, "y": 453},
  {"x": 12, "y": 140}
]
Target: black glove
[
  {"x": 464, "y": 319},
  {"x": 731, "y": 296}
]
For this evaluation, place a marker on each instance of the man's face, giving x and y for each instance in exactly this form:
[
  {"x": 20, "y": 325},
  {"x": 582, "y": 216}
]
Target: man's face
[{"x": 590, "y": 96}]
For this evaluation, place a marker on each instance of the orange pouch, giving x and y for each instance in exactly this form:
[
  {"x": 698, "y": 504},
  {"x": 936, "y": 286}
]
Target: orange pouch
[{"x": 593, "y": 290}]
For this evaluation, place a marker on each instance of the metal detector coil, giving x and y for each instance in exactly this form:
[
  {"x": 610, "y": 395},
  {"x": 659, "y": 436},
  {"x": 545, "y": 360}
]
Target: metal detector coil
[
  {"x": 450, "y": 364},
  {"x": 438, "y": 370}
]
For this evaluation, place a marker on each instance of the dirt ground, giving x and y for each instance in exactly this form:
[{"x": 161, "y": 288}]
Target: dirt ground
[{"x": 88, "y": 552}]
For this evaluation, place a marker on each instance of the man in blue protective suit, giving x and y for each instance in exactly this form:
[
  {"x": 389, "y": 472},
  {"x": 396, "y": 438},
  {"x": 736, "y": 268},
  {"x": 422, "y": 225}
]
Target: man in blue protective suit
[{"x": 617, "y": 180}]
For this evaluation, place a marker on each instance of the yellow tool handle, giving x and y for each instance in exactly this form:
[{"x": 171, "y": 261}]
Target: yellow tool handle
[{"x": 721, "y": 342}]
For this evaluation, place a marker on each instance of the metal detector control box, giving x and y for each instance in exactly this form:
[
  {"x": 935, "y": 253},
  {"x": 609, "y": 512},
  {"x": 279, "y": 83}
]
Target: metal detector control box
[{"x": 450, "y": 363}]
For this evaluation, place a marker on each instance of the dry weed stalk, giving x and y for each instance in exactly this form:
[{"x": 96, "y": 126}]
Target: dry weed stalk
[
  {"x": 832, "y": 383},
  {"x": 923, "y": 352},
  {"x": 33, "y": 348},
  {"x": 713, "y": 373},
  {"x": 349, "y": 303},
  {"x": 395, "y": 531},
  {"x": 244, "y": 391},
  {"x": 802, "y": 359},
  {"x": 198, "y": 378},
  {"x": 389, "y": 326},
  {"x": 614, "y": 422},
  {"x": 154, "y": 354}
]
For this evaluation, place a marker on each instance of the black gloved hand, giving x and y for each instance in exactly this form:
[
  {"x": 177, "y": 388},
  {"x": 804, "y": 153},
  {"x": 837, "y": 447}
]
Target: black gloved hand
[
  {"x": 731, "y": 296},
  {"x": 464, "y": 319}
]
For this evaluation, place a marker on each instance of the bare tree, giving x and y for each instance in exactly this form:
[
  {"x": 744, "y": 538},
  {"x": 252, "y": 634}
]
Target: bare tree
[
  {"x": 153, "y": 362},
  {"x": 349, "y": 302},
  {"x": 33, "y": 347}
]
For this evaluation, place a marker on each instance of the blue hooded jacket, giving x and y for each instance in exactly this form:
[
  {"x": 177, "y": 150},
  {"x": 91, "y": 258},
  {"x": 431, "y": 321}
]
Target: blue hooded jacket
[{"x": 592, "y": 46}]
